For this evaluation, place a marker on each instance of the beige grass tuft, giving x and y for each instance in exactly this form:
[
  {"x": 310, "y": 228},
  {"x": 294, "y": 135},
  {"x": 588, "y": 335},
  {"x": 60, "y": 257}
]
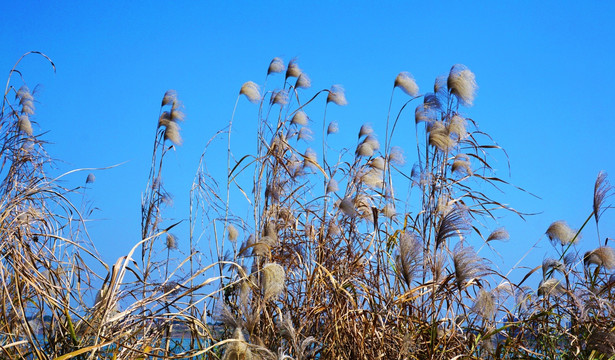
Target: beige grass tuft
[
  {"x": 251, "y": 91},
  {"x": 462, "y": 84},
  {"x": 405, "y": 81},
  {"x": 337, "y": 95},
  {"x": 276, "y": 66}
]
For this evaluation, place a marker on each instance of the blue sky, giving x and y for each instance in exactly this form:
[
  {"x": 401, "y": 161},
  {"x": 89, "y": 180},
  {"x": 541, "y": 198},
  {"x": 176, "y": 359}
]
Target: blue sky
[{"x": 544, "y": 71}]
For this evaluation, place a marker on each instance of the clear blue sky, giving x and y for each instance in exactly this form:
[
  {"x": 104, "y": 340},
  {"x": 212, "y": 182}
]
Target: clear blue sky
[{"x": 544, "y": 69}]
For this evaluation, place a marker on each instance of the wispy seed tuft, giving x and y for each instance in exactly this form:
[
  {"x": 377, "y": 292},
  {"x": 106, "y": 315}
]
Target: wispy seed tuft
[
  {"x": 293, "y": 69},
  {"x": 232, "y": 232},
  {"x": 337, "y": 96},
  {"x": 462, "y": 84},
  {"x": 602, "y": 256},
  {"x": 303, "y": 82},
  {"x": 25, "y": 126},
  {"x": 405, "y": 81},
  {"x": 273, "y": 279},
  {"x": 560, "y": 231},
  {"x": 276, "y": 66},
  {"x": 251, "y": 91},
  {"x": 499, "y": 234},
  {"x": 300, "y": 118},
  {"x": 333, "y": 128}
]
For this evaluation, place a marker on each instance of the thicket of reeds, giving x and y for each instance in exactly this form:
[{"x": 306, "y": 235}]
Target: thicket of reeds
[{"x": 343, "y": 254}]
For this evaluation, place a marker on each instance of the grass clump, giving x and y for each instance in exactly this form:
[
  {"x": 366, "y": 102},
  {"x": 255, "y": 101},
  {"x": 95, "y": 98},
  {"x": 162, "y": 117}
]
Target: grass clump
[{"x": 341, "y": 253}]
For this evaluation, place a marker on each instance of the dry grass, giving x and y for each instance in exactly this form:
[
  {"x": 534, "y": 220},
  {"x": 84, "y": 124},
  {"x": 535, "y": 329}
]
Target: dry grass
[{"x": 330, "y": 263}]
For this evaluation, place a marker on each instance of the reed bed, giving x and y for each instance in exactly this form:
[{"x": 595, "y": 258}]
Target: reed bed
[{"x": 343, "y": 254}]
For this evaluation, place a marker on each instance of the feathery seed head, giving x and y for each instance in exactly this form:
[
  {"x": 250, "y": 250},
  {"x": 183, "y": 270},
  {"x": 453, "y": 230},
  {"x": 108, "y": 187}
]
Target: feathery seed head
[
  {"x": 272, "y": 283},
  {"x": 372, "y": 141},
  {"x": 365, "y": 149},
  {"x": 602, "y": 190},
  {"x": 409, "y": 257},
  {"x": 276, "y": 66},
  {"x": 337, "y": 96},
  {"x": 171, "y": 133},
  {"x": 332, "y": 128},
  {"x": 461, "y": 165},
  {"x": 293, "y": 69},
  {"x": 238, "y": 349},
  {"x": 232, "y": 232},
  {"x": 309, "y": 158},
  {"x": 169, "y": 97},
  {"x": 439, "y": 137},
  {"x": 377, "y": 163},
  {"x": 373, "y": 178},
  {"x": 26, "y": 100},
  {"x": 439, "y": 84},
  {"x": 305, "y": 133},
  {"x": 457, "y": 126},
  {"x": 548, "y": 264},
  {"x": 389, "y": 211},
  {"x": 499, "y": 234},
  {"x": 560, "y": 231},
  {"x": 303, "y": 82},
  {"x": 90, "y": 179},
  {"x": 347, "y": 207},
  {"x": 396, "y": 157},
  {"x": 332, "y": 186},
  {"x": 251, "y": 91},
  {"x": 602, "y": 256},
  {"x": 468, "y": 265},
  {"x": 366, "y": 129},
  {"x": 423, "y": 113},
  {"x": 171, "y": 242},
  {"x": 550, "y": 287},
  {"x": 25, "y": 126},
  {"x": 485, "y": 304},
  {"x": 405, "y": 81},
  {"x": 279, "y": 97},
  {"x": 300, "y": 118},
  {"x": 462, "y": 84}
]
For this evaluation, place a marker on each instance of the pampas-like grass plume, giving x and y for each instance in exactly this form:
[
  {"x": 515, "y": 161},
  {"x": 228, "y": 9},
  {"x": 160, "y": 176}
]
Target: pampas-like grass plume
[
  {"x": 453, "y": 223},
  {"x": 305, "y": 133},
  {"x": 333, "y": 128},
  {"x": 548, "y": 264},
  {"x": 409, "y": 258},
  {"x": 461, "y": 164},
  {"x": 309, "y": 158},
  {"x": 251, "y": 91},
  {"x": 423, "y": 113},
  {"x": 232, "y": 232},
  {"x": 560, "y": 231},
  {"x": 272, "y": 283},
  {"x": 26, "y": 100},
  {"x": 171, "y": 133},
  {"x": 293, "y": 69},
  {"x": 276, "y": 66},
  {"x": 171, "y": 242},
  {"x": 439, "y": 136},
  {"x": 279, "y": 97},
  {"x": 347, "y": 207},
  {"x": 550, "y": 287},
  {"x": 484, "y": 305},
  {"x": 462, "y": 84},
  {"x": 499, "y": 234},
  {"x": 372, "y": 141},
  {"x": 457, "y": 127},
  {"x": 602, "y": 256},
  {"x": 238, "y": 349},
  {"x": 25, "y": 125},
  {"x": 405, "y": 81},
  {"x": 396, "y": 156},
  {"x": 300, "y": 118},
  {"x": 303, "y": 82},
  {"x": 389, "y": 211},
  {"x": 468, "y": 265},
  {"x": 332, "y": 186},
  {"x": 366, "y": 129},
  {"x": 337, "y": 96},
  {"x": 169, "y": 97},
  {"x": 377, "y": 163},
  {"x": 90, "y": 179},
  {"x": 365, "y": 149},
  {"x": 602, "y": 190}
]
